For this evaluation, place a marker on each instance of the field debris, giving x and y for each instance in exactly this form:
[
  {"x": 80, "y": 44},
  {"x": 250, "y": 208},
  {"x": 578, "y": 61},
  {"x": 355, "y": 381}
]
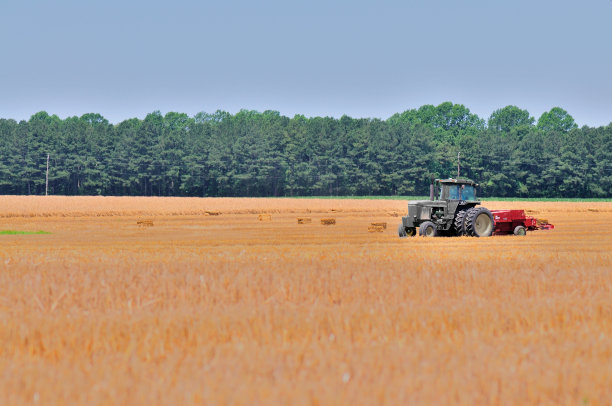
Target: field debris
[
  {"x": 144, "y": 223},
  {"x": 328, "y": 221},
  {"x": 304, "y": 220},
  {"x": 211, "y": 213},
  {"x": 264, "y": 217}
]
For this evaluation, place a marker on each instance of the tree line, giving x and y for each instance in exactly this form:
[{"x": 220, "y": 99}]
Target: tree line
[{"x": 254, "y": 153}]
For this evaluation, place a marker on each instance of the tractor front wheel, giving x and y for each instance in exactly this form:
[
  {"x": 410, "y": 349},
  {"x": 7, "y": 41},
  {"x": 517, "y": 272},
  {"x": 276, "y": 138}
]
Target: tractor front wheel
[
  {"x": 479, "y": 222},
  {"x": 405, "y": 231},
  {"x": 428, "y": 229}
]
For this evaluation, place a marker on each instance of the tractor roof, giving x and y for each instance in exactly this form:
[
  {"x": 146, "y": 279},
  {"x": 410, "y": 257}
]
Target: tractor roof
[{"x": 458, "y": 181}]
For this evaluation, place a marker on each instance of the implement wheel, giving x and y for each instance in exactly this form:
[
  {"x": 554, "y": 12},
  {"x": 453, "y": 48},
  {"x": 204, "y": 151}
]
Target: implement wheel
[
  {"x": 479, "y": 222},
  {"x": 428, "y": 229},
  {"x": 520, "y": 230}
]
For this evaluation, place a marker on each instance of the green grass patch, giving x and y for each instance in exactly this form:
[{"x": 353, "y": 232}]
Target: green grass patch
[
  {"x": 18, "y": 232},
  {"x": 484, "y": 199},
  {"x": 543, "y": 199},
  {"x": 362, "y": 197}
]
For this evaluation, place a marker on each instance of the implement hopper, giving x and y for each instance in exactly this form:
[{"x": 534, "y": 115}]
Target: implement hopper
[{"x": 517, "y": 222}]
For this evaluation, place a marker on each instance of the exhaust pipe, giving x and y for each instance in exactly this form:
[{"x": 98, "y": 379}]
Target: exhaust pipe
[{"x": 431, "y": 191}]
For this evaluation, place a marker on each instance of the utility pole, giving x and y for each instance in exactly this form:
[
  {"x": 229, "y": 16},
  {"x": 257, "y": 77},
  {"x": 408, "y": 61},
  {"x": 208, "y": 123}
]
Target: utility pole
[
  {"x": 47, "y": 178},
  {"x": 458, "y": 168}
]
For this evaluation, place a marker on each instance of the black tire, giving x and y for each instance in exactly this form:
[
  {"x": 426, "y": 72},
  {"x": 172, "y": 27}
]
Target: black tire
[
  {"x": 459, "y": 223},
  {"x": 520, "y": 230},
  {"x": 479, "y": 222},
  {"x": 401, "y": 231},
  {"x": 428, "y": 229},
  {"x": 405, "y": 231}
]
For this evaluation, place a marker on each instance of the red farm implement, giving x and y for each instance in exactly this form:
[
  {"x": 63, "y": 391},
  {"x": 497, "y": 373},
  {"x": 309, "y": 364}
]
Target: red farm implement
[{"x": 517, "y": 222}]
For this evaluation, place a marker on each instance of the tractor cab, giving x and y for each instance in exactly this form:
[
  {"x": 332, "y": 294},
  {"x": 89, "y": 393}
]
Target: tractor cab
[{"x": 456, "y": 189}]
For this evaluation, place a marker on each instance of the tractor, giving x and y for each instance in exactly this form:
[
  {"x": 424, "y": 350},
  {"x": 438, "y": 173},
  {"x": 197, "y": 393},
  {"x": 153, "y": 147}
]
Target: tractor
[{"x": 450, "y": 211}]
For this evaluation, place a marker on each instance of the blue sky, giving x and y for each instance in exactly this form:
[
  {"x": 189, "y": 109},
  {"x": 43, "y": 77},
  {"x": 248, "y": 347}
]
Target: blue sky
[{"x": 125, "y": 59}]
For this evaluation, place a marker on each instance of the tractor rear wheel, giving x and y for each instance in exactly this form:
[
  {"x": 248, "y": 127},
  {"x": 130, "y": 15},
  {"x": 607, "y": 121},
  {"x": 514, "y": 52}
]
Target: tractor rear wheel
[
  {"x": 520, "y": 230},
  {"x": 428, "y": 229},
  {"x": 459, "y": 223},
  {"x": 479, "y": 222}
]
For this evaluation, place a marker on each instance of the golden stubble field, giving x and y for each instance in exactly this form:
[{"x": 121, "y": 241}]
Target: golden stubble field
[{"x": 209, "y": 305}]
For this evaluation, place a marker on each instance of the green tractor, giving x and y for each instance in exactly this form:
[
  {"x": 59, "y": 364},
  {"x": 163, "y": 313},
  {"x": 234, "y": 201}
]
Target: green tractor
[{"x": 450, "y": 211}]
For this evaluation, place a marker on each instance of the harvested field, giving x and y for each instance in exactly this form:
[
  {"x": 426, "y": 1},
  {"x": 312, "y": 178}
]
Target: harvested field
[{"x": 224, "y": 308}]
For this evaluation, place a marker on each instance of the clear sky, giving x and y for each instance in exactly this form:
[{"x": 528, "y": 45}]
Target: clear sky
[{"x": 125, "y": 59}]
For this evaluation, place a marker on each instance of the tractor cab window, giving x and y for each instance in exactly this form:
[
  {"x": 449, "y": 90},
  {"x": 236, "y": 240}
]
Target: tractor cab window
[
  {"x": 468, "y": 192},
  {"x": 453, "y": 192},
  {"x": 458, "y": 192}
]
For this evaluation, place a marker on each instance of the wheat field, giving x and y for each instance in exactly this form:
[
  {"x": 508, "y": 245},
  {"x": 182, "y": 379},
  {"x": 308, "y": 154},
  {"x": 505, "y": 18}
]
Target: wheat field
[{"x": 147, "y": 301}]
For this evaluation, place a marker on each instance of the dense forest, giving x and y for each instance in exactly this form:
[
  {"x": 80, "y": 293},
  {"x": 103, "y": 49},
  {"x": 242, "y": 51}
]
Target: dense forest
[{"x": 266, "y": 154}]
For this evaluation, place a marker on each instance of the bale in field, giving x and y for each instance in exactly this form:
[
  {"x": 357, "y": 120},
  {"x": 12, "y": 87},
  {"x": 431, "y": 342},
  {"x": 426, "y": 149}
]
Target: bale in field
[
  {"x": 265, "y": 217},
  {"x": 382, "y": 225},
  {"x": 144, "y": 223},
  {"x": 304, "y": 220},
  {"x": 328, "y": 221},
  {"x": 212, "y": 213},
  {"x": 375, "y": 229}
]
